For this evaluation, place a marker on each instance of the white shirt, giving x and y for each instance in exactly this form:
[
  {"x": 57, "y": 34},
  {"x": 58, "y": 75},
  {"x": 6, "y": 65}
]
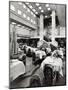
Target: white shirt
[{"x": 40, "y": 53}]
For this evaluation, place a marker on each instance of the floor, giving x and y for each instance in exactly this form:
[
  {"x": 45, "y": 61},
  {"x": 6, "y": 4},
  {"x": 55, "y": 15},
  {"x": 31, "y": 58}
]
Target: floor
[{"x": 32, "y": 70}]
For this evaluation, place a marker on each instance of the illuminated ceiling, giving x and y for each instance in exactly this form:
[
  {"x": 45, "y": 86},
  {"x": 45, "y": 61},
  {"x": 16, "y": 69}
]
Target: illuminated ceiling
[{"x": 46, "y": 9}]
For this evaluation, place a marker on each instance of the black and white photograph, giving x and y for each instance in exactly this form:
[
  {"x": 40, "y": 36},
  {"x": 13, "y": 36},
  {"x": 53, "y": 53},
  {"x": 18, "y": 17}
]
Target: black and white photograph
[{"x": 37, "y": 44}]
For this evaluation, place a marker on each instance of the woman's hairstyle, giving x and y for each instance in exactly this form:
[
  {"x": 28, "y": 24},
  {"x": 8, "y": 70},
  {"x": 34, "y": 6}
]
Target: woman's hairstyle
[{"x": 35, "y": 81}]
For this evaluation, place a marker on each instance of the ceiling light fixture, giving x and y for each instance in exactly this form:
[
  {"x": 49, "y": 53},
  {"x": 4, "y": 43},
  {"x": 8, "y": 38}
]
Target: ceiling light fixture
[
  {"x": 19, "y": 25},
  {"x": 48, "y": 9},
  {"x": 42, "y": 11},
  {"x": 34, "y": 15},
  {"x": 40, "y": 8},
  {"x": 13, "y": 23},
  {"x": 24, "y": 6},
  {"x": 37, "y": 4},
  {"x": 34, "y": 22},
  {"x": 36, "y": 12},
  {"x": 31, "y": 20},
  {"x": 24, "y": 15},
  {"x": 47, "y": 5},
  {"x": 12, "y": 7},
  {"x": 30, "y": 6},
  {"x": 45, "y": 16}
]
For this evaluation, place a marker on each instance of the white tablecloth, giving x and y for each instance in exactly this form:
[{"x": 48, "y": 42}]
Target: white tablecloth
[
  {"x": 16, "y": 69},
  {"x": 56, "y": 62}
]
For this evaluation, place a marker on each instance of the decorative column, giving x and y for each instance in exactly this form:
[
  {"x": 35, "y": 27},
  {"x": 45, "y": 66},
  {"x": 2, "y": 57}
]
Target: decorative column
[
  {"x": 11, "y": 39},
  {"x": 15, "y": 49},
  {"x": 53, "y": 26},
  {"x": 53, "y": 29},
  {"x": 41, "y": 26}
]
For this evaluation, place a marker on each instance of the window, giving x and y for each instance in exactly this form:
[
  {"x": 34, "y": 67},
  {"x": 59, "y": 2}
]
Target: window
[
  {"x": 28, "y": 10},
  {"x": 24, "y": 15},
  {"x": 24, "y": 6},
  {"x": 31, "y": 20},
  {"x": 12, "y": 7},
  {"x": 34, "y": 10},
  {"x": 34, "y": 22},
  {"x": 32, "y": 13},
  {"x": 19, "y": 12},
  {"x": 28, "y": 18}
]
